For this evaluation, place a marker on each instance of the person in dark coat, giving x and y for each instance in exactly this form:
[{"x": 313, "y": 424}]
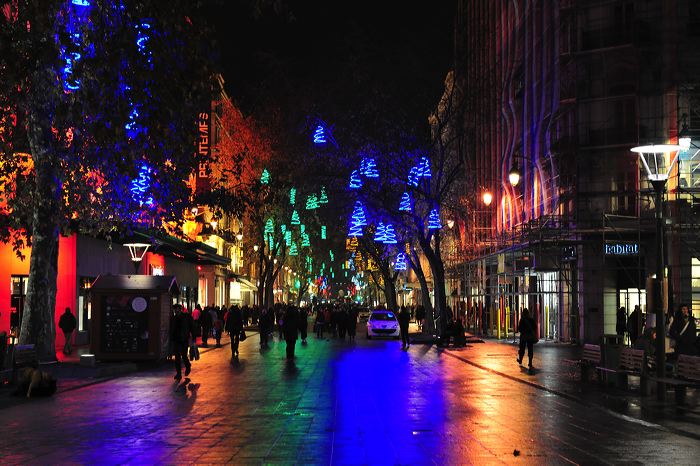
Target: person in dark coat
[
  {"x": 621, "y": 321},
  {"x": 683, "y": 332},
  {"x": 264, "y": 325},
  {"x": 291, "y": 330},
  {"x": 404, "y": 320},
  {"x": 206, "y": 323},
  {"x": 320, "y": 322},
  {"x": 181, "y": 336},
  {"x": 303, "y": 320},
  {"x": 351, "y": 323},
  {"x": 528, "y": 336},
  {"x": 634, "y": 324},
  {"x": 234, "y": 326},
  {"x": 342, "y": 322},
  {"x": 67, "y": 324},
  {"x": 458, "y": 330}
]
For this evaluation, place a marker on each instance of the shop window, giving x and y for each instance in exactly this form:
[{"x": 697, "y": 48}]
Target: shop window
[
  {"x": 695, "y": 284},
  {"x": 18, "y": 286},
  {"x": 202, "y": 298}
]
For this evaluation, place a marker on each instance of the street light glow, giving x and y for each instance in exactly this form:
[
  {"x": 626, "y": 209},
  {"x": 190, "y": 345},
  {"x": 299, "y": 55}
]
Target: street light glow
[{"x": 487, "y": 197}]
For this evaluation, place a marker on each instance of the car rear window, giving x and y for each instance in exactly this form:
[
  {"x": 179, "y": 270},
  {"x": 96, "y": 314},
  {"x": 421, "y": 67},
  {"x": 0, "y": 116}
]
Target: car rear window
[{"x": 382, "y": 316}]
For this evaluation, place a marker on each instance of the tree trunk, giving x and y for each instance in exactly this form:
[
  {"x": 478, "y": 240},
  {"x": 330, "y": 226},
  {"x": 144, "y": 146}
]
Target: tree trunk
[
  {"x": 261, "y": 282},
  {"x": 301, "y": 293},
  {"x": 390, "y": 291},
  {"x": 39, "y": 307},
  {"x": 429, "y": 326},
  {"x": 438, "y": 271}
]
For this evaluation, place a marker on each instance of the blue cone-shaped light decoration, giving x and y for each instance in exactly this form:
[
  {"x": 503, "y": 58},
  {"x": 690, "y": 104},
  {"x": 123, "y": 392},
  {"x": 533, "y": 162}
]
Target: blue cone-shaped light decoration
[
  {"x": 355, "y": 230},
  {"x": 389, "y": 234},
  {"x": 305, "y": 242},
  {"x": 413, "y": 177},
  {"x": 405, "y": 202},
  {"x": 293, "y": 250},
  {"x": 434, "y": 220},
  {"x": 371, "y": 169},
  {"x": 400, "y": 263},
  {"x": 320, "y": 135},
  {"x": 141, "y": 185},
  {"x": 355, "y": 181},
  {"x": 295, "y": 218},
  {"x": 269, "y": 226},
  {"x": 424, "y": 167},
  {"x": 323, "y": 197},
  {"x": 380, "y": 234}
]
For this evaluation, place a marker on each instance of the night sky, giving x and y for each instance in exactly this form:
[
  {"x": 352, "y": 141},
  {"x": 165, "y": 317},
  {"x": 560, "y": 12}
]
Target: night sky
[{"x": 329, "y": 58}]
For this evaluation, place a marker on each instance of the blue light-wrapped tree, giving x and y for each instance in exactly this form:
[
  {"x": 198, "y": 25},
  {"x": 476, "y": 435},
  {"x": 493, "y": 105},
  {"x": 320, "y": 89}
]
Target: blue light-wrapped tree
[
  {"x": 400, "y": 262},
  {"x": 424, "y": 168},
  {"x": 389, "y": 234},
  {"x": 405, "y": 204},
  {"x": 355, "y": 180},
  {"x": 371, "y": 169},
  {"x": 434, "y": 220},
  {"x": 380, "y": 234}
]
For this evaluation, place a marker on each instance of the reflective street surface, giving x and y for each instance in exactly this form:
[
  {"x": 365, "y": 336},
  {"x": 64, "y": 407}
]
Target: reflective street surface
[{"x": 340, "y": 403}]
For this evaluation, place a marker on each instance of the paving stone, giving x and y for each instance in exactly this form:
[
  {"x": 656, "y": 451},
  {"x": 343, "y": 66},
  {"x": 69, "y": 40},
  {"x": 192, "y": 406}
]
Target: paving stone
[{"x": 366, "y": 402}]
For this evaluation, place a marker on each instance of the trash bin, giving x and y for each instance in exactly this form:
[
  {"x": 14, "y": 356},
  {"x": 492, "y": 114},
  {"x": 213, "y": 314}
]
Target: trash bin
[{"x": 610, "y": 347}]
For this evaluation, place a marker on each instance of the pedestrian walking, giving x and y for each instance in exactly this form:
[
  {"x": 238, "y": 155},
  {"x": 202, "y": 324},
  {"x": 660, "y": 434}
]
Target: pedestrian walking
[
  {"x": 528, "y": 337},
  {"x": 67, "y": 323},
  {"x": 634, "y": 324},
  {"x": 181, "y": 337},
  {"x": 342, "y": 323},
  {"x": 303, "y": 319},
  {"x": 265, "y": 327},
  {"x": 234, "y": 326},
  {"x": 291, "y": 330},
  {"x": 206, "y": 322},
  {"x": 320, "y": 323},
  {"x": 621, "y": 321},
  {"x": 217, "y": 325},
  {"x": 352, "y": 323},
  {"x": 404, "y": 320},
  {"x": 279, "y": 314}
]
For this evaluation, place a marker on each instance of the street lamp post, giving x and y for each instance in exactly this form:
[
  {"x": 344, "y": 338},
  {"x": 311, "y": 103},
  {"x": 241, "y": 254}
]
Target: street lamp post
[{"x": 653, "y": 158}]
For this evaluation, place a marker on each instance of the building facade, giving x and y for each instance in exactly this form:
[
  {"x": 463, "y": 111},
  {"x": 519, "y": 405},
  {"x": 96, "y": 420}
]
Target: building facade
[{"x": 559, "y": 92}]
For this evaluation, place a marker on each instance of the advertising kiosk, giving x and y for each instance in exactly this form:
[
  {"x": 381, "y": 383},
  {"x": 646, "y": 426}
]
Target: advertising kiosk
[{"x": 131, "y": 317}]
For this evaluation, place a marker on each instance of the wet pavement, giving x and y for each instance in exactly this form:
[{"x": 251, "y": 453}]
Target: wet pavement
[{"x": 366, "y": 402}]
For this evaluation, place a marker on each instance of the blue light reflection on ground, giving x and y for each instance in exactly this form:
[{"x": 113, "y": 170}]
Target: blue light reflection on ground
[{"x": 393, "y": 412}]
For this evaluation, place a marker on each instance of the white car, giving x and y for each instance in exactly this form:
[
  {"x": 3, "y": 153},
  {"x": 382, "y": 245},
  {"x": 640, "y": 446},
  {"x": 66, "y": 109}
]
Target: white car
[
  {"x": 364, "y": 314},
  {"x": 382, "y": 323}
]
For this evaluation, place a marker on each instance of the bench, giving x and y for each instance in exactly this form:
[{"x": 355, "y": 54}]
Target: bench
[
  {"x": 687, "y": 375},
  {"x": 589, "y": 359},
  {"x": 632, "y": 362}
]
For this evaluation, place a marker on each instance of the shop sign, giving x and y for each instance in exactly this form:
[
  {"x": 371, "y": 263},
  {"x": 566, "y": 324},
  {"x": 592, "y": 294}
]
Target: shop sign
[{"x": 621, "y": 249}]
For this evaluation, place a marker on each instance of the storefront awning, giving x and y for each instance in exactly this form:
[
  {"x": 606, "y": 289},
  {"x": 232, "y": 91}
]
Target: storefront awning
[
  {"x": 246, "y": 284},
  {"x": 193, "y": 252}
]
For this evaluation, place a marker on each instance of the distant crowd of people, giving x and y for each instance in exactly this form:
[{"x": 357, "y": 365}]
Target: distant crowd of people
[{"x": 289, "y": 322}]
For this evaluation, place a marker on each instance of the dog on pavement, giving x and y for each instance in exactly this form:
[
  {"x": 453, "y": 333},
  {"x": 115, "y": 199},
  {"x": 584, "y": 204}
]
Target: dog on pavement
[{"x": 31, "y": 381}]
